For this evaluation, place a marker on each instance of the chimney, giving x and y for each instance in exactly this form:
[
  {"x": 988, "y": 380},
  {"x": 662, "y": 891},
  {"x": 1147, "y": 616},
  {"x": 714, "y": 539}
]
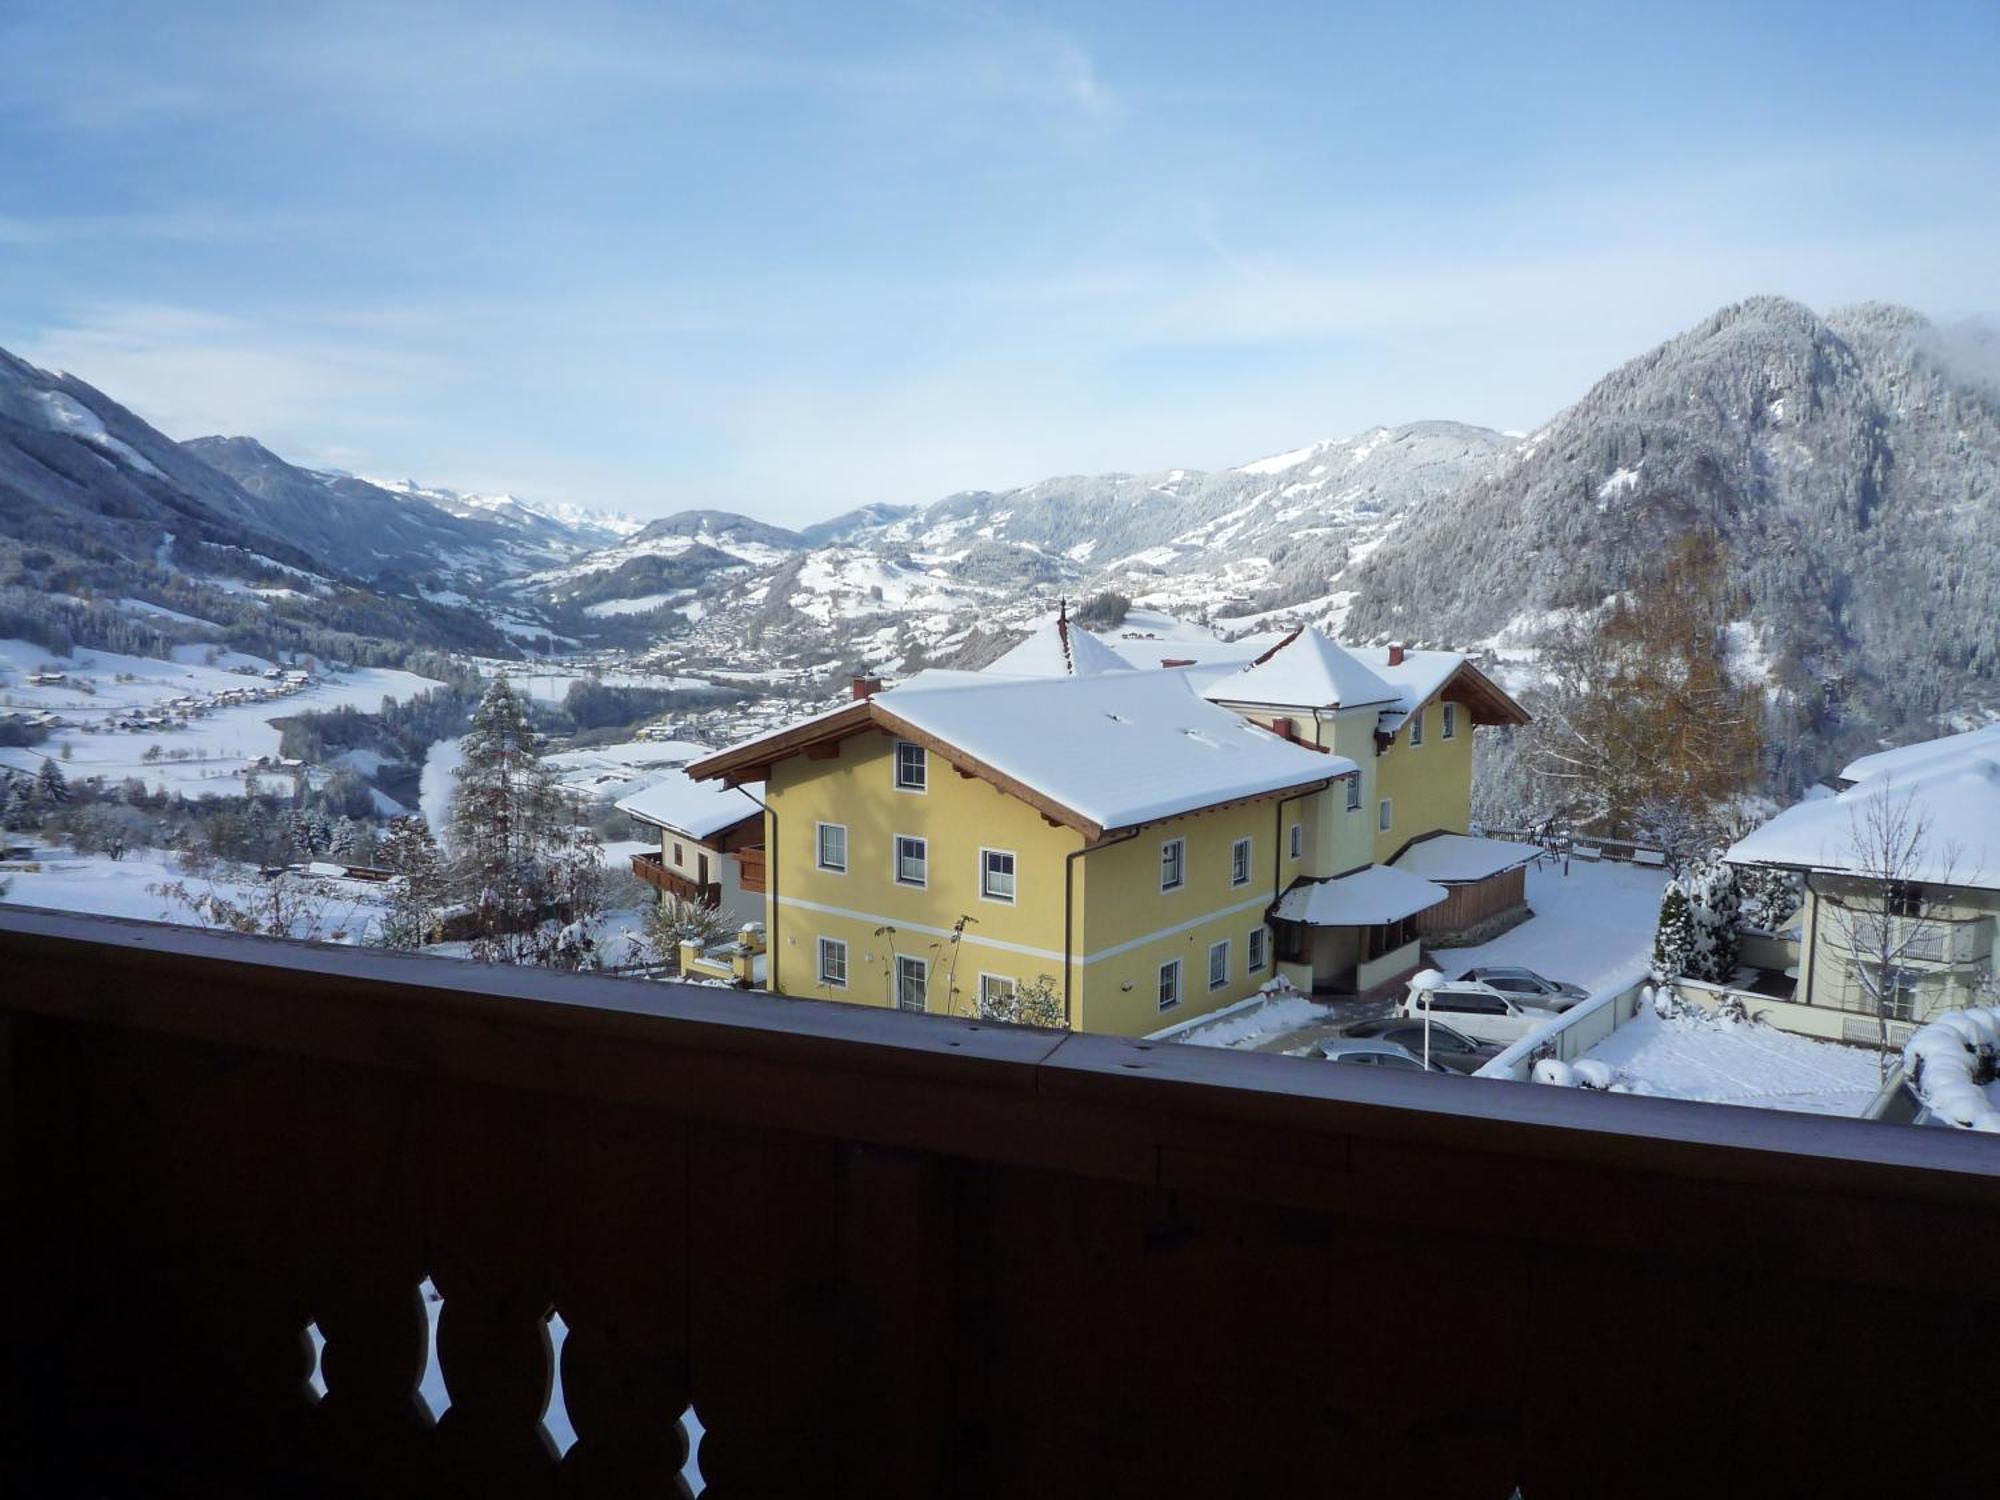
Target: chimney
[
  {"x": 1283, "y": 727},
  {"x": 1176, "y": 661},
  {"x": 1396, "y": 649},
  {"x": 866, "y": 687}
]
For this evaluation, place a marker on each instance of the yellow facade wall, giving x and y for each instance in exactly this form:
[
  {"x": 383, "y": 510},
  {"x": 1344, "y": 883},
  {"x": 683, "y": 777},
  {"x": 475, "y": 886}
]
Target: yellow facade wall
[
  {"x": 1429, "y": 786},
  {"x": 957, "y": 817}
]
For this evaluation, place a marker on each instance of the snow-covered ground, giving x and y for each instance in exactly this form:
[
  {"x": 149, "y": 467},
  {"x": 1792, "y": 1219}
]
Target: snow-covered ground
[
  {"x": 124, "y": 888},
  {"x": 1720, "y": 1061},
  {"x": 608, "y": 772},
  {"x": 211, "y": 752},
  {"x": 1587, "y": 925}
]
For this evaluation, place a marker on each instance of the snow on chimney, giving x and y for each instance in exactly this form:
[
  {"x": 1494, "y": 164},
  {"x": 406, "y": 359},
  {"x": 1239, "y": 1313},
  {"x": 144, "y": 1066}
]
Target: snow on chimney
[
  {"x": 866, "y": 687},
  {"x": 1396, "y": 649}
]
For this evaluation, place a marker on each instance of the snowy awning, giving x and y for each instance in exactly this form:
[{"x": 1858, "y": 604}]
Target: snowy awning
[
  {"x": 1367, "y": 898},
  {"x": 699, "y": 809},
  {"x": 1457, "y": 858}
]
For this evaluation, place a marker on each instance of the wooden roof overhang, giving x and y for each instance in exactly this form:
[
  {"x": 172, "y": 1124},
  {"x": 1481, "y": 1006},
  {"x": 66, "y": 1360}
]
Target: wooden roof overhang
[
  {"x": 753, "y": 762},
  {"x": 1487, "y": 700}
]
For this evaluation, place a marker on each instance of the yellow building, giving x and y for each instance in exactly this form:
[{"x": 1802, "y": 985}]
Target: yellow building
[{"x": 1123, "y": 841}]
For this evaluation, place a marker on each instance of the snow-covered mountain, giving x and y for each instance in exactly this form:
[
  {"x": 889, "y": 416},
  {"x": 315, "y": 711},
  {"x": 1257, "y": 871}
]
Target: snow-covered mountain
[{"x": 561, "y": 521}]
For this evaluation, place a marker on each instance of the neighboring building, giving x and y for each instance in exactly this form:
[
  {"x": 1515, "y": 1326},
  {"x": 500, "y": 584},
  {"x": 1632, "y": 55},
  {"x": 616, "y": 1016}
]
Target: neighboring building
[
  {"x": 1939, "y": 803},
  {"x": 1151, "y": 844},
  {"x": 1059, "y": 649},
  {"x": 711, "y": 843}
]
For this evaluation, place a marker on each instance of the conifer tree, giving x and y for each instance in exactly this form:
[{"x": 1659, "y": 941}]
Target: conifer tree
[
  {"x": 416, "y": 899},
  {"x": 51, "y": 786},
  {"x": 1674, "y": 941}
]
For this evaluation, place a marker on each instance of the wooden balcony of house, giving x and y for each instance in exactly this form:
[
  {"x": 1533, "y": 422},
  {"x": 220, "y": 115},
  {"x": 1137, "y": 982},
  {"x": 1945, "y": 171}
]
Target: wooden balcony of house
[
  {"x": 650, "y": 868},
  {"x": 750, "y": 867},
  {"x": 884, "y": 1255}
]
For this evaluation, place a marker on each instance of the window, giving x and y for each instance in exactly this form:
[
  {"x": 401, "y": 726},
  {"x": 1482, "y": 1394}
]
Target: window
[
  {"x": 833, "y": 963},
  {"x": 1467, "y": 1005},
  {"x": 1256, "y": 950},
  {"x": 833, "y": 847},
  {"x": 1170, "y": 984},
  {"x": 1905, "y": 899},
  {"x": 1298, "y": 839},
  {"x": 1239, "y": 862},
  {"x": 996, "y": 874},
  {"x": 1218, "y": 964},
  {"x": 1382, "y": 818},
  {"x": 1354, "y": 792},
  {"x": 679, "y": 858},
  {"x": 913, "y": 977},
  {"x": 996, "y": 994},
  {"x": 1451, "y": 721},
  {"x": 913, "y": 861},
  {"x": 911, "y": 771},
  {"x": 1416, "y": 729},
  {"x": 1173, "y": 864}
]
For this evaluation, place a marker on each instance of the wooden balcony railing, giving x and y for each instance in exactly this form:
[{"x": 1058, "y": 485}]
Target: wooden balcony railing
[
  {"x": 653, "y": 870},
  {"x": 893, "y": 1255}
]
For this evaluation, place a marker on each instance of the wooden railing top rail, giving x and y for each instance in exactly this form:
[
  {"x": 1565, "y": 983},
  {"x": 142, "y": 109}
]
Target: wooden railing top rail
[{"x": 1612, "y": 1170}]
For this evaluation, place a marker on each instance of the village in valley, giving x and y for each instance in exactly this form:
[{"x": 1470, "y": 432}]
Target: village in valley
[{"x": 1265, "y": 843}]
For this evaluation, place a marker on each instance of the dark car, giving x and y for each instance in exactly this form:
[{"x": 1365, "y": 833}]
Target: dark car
[
  {"x": 1526, "y": 984},
  {"x": 1451, "y": 1049}
]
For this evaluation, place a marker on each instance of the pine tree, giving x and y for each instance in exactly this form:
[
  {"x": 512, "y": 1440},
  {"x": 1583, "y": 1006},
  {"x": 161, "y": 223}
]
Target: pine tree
[
  {"x": 516, "y": 858},
  {"x": 341, "y": 839},
  {"x": 1716, "y": 903},
  {"x": 51, "y": 786},
  {"x": 417, "y": 898},
  {"x": 1674, "y": 941}
]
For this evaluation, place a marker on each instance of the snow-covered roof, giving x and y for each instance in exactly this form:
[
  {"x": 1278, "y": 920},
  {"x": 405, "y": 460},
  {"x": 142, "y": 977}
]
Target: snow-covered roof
[
  {"x": 1146, "y": 637},
  {"x": 1459, "y": 857},
  {"x": 699, "y": 809},
  {"x": 1366, "y": 898},
  {"x": 1104, "y": 752},
  {"x": 1307, "y": 670},
  {"x": 1415, "y": 678},
  {"x": 1906, "y": 758},
  {"x": 1957, "y": 797},
  {"x": 1059, "y": 649}
]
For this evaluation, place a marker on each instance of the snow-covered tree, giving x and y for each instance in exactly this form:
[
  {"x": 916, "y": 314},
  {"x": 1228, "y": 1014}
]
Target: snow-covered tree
[
  {"x": 533, "y": 880},
  {"x": 417, "y": 896},
  {"x": 1717, "y": 907},
  {"x": 1771, "y": 898},
  {"x": 672, "y": 920},
  {"x": 51, "y": 786},
  {"x": 1673, "y": 940},
  {"x": 1038, "y": 1002},
  {"x": 341, "y": 839}
]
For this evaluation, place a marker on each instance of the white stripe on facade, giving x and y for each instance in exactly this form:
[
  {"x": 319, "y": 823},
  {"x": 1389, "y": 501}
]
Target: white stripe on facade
[{"x": 1117, "y": 951}]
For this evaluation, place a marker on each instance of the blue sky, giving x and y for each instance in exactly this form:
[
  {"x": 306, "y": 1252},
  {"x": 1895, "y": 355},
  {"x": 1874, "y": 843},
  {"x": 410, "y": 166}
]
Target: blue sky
[{"x": 789, "y": 259}]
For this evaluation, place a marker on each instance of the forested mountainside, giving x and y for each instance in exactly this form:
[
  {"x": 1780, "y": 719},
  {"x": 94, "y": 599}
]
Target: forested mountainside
[{"x": 1849, "y": 465}]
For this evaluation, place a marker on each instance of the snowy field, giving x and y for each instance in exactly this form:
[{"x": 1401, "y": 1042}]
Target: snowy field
[
  {"x": 1720, "y": 1061},
  {"x": 1587, "y": 925},
  {"x": 123, "y": 888},
  {"x": 211, "y": 753},
  {"x": 608, "y": 772}
]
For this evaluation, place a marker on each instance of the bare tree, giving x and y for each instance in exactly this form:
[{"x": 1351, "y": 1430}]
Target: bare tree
[{"x": 1888, "y": 904}]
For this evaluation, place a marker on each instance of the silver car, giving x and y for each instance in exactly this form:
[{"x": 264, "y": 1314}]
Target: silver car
[
  {"x": 1526, "y": 984},
  {"x": 1369, "y": 1053}
]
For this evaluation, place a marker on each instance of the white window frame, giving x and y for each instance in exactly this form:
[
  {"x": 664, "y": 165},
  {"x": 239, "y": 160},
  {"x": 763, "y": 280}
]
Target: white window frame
[
  {"x": 923, "y": 781},
  {"x": 1013, "y": 877},
  {"x": 1248, "y": 847},
  {"x": 1353, "y": 779},
  {"x": 1417, "y": 729},
  {"x": 924, "y": 974},
  {"x": 1169, "y": 991},
  {"x": 988, "y": 982},
  {"x": 832, "y": 946},
  {"x": 1257, "y": 950},
  {"x": 1213, "y": 949},
  {"x": 896, "y": 861},
  {"x": 1298, "y": 845},
  {"x": 1180, "y": 864},
  {"x": 819, "y": 848},
  {"x": 1385, "y": 815},
  {"x": 1449, "y": 731}
]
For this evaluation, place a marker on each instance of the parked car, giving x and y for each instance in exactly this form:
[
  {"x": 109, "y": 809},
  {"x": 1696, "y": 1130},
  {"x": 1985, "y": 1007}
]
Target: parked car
[
  {"x": 1536, "y": 989},
  {"x": 1451, "y": 1048},
  {"x": 1373, "y": 1054},
  {"x": 1481, "y": 1012}
]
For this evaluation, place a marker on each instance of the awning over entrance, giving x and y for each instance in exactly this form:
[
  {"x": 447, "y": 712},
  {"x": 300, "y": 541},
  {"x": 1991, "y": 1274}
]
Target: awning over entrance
[{"x": 1367, "y": 898}]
